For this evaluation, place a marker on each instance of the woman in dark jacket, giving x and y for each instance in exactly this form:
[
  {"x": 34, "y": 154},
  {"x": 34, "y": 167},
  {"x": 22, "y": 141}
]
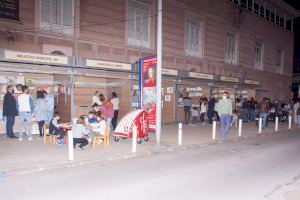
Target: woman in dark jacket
[{"x": 10, "y": 111}]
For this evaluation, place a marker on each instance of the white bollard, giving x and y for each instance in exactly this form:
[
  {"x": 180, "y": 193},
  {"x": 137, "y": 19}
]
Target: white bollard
[
  {"x": 290, "y": 122},
  {"x": 214, "y": 130},
  {"x": 180, "y": 134},
  {"x": 240, "y": 127},
  {"x": 134, "y": 139},
  {"x": 70, "y": 145},
  {"x": 260, "y": 125},
  {"x": 276, "y": 124}
]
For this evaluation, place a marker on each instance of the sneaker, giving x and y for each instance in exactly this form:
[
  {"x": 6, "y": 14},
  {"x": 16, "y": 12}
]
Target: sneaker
[
  {"x": 59, "y": 142},
  {"x": 30, "y": 138},
  {"x": 20, "y": 139},
  {"x": 40, "y": 137},
  {"x": 80, "y": 148}
]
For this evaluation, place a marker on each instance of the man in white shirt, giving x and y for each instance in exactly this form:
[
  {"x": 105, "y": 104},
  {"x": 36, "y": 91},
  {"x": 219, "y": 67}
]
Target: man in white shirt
[
  {"x": 49, "y": 106},
  {"x": 115, "y": 102},
  {"x": 25, "y": 108}
]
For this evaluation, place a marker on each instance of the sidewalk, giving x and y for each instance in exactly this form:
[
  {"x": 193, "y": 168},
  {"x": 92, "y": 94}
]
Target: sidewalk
[{"x": 32, "y": 156}]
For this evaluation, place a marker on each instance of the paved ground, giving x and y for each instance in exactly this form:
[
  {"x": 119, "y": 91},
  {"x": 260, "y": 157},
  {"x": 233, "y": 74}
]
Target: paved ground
[
  {"x": 27, "y": 156},
  {"x": 254, "y": 169}
]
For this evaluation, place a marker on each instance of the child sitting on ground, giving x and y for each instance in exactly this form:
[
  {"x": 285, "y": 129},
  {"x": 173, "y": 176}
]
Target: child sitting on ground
[
  {"x": 80, "y": 133},
  {"x": 91, "y": 117},
  {"x": 55, "y": 128},
  {"x": 234, "y": 118},
  {"x": 97, "y": 128},
  {"x": 195, "y": 116}
]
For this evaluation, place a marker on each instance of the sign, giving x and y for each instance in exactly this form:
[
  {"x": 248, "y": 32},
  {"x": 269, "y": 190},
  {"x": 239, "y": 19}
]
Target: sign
[
  {"x": 201, "y": 75},
  {"x": 9, "y": 9},
  {"x": 251, "y": 82},
  {"x": 108, "y": 65},
  {"x": 35, "y": 58},
  {"x": 147, "y": 81},
  {"x": 229, "y": 79},
  {"x": 170, "y": 72}
]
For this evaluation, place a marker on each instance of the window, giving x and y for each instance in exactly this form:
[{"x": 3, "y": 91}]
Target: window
[
  {"x": 250, "y": 5},
  {"x": 268, "y": 14},
  {"x": 138, "y": 24},
  {"x": 258, "y": 64},
  {"x": 230, "y": 49},
  {"x": 272, "y": 16},
  {"x": 57, "y": 16},
  {"x": 193, "y": 38},
  {"x": 256, "y": 8},
  {"x": 262, "y": 11},
  {"x": 244, "y": 3},
  {"x": 279, "y": 62}
]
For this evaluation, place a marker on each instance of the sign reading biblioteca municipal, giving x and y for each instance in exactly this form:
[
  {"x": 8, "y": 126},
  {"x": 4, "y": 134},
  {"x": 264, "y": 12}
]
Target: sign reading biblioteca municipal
[
  {"x": 9, "y": 9},
  {"x": 147, "y": 83}
]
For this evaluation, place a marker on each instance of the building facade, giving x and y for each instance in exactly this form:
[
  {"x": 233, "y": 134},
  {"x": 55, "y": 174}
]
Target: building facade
[{"x": 243, "y": 46}]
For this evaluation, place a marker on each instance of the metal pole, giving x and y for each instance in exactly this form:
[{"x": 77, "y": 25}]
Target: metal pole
[
  {"x": 70, "y": 145},
  {"x": 260, "y": 125},
  {"x": 72, "y": 93},
  {"x": 134, "y": 139},
  {"x": 180, "y": 134},
  {"x": 214, "y": 130},
  {"x": 276, "y": 124},
  {"x": 290, "y": 122},
  {"x": 240, "y": 127},
  {"x": 159, "y": 69}
]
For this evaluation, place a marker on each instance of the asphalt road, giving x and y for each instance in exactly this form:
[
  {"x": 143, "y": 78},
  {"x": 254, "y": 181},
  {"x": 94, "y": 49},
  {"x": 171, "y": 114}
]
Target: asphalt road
[{"x": 260, "y": 168}]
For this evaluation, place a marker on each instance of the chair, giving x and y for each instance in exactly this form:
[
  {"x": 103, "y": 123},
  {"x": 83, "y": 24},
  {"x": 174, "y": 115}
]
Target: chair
[
  {"x": 104, "y": 137},
  {"x": 46, "y": 133}
]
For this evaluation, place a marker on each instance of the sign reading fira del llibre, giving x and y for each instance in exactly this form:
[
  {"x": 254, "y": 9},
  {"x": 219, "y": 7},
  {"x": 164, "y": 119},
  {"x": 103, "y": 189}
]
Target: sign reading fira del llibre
[{"x": 9, "y": 9}]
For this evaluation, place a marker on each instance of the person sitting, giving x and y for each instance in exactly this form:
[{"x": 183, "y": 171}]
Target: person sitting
[
  {"x": 98, "y": 128},
  {"x": 80, "y": 133},
  {"x": 96, "y": 109},
  {"x": 91, "y": 118},
  {"x": 55, "y": 128}
]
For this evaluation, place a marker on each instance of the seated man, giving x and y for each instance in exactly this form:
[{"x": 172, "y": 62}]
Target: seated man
[{"x": 97, "y": 128}]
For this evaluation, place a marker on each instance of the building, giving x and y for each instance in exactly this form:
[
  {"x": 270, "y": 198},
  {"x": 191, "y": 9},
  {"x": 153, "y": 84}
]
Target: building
[{"x": 243, "y": 46}]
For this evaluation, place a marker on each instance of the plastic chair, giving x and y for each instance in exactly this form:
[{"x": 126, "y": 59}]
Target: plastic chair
[
  {"x": 104, "y": 137},
  {"x": 46, "y": 133}
]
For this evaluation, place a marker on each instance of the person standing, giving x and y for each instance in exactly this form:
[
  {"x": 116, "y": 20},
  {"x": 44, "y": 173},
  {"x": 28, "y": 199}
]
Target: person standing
[
  {"x": 225, "y": 113},
  {"x": 49, "y": 99},
  {"x": 115, "y": 103},
  {"x": 245, "y": 110},
  {"x": 203, "y": 110},
  {"x": 252, "y": 107},
  {"x": 96, "y": 98},
  {"x": 187, "y": 103},
  {"x": 18, "y": 91},
  {"x": 25, "y": 107},
  {"x": 40, "y": 112},
  {"x": 295, "y": 108},
  {"x": 10, "y": 111},
  {"x": 264, "y": 110},
  {"x": 211, "y": 109}
]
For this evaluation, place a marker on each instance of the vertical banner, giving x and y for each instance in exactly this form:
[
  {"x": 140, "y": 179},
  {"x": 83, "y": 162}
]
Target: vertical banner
[{"x": 147, "y": 86}]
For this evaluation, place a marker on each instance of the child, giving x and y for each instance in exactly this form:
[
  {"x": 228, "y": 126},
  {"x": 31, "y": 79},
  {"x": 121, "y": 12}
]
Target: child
[
  {"x": 80, "y": 133},
  {"x": 203, "y": 111},
  {"x": 91, "y": 117},
  {"x": 55, "y": 128},
  {"x": 98, "y": 128},
  {"x": 195, "y": 116},
  {"x": 234, "y": 118},
  {"x": 96, "y": 109}
]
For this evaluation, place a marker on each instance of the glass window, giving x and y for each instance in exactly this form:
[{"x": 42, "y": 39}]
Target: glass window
[
  {"x": 256, "y": 8},
  {"x": 258, "y": 56},
  {"x": 57, "y": 16},
  {"x": 262, "y": 11},
  {"x": 250, "y": 5},
  {"x": 230, "y": 49},
  {"x": 279, "y": 64},
  {"x": 138, "y": 24},
  {"x": 267, "y": 14},
  {"x": 244, "y": 3},
  {"x": 193, "y": 38}
]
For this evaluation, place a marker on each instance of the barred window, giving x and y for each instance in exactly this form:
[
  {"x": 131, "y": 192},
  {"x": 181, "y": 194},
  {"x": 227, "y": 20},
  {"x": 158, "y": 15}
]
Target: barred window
[
  {"x": 258, "y": 56},
  {"x": 230, "y": 49},
  {"x": 279, "y": 62},
  {"x": 138, "y": 25},
  {"x": 193, "y": 38}
]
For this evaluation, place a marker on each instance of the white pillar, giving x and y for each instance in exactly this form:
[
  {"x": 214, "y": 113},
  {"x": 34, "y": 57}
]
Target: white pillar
[
  {"x": 240, "y": 127},
  {"x": 259, "y": 125},
  {"x": 276, "y": 124},
  {"x": 159, "y": 69},
  {"x": 134, "y": 139},
  {"x": 70, "y": 145},
  {"x": 72, "y": 92},
  {"x": 290, "y": 122},
  {"x": 214, "y": 130},
  {"x": 180, "y": 134}
]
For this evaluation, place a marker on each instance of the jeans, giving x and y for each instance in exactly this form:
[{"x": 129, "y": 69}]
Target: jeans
[
  {"x": 41, "y": 124},
  {"x": 225, "y": 121},
  {"x": 25, "y": 116},
  {"x": 244, "y": 115},
  {"x": 202, "y": 115},
  {"x": 82, "y": 141},
  {"x": 10, "y": 122},
  {"x": 210, "y": 115},
  {"x": 298, "y": 120},
  {"x": 264, "y": 119},
  {"x": 49, "y": 116},
  {"x": 187, "y": 114},
  {"x": 252, "y": 115},
  {"x": 114, "y": 119}
]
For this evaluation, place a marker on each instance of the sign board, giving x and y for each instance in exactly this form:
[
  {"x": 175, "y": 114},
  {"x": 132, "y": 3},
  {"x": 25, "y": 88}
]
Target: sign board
[
  {"x": 9, "y": 9},
  {"x": 35, "y": 58},
  {"x": 108, "y": 65},
  {"x": 147, "y": 82},
  {"x": 229, "y": 79},
  {"x": 201, "y": 75},
  {"x": 251, "y": 82},
  {"x": 170, "y": 72}
]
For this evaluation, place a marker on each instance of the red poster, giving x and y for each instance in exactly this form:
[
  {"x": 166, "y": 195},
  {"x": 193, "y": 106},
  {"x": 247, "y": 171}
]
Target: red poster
[{"x": 147, "y": 69}]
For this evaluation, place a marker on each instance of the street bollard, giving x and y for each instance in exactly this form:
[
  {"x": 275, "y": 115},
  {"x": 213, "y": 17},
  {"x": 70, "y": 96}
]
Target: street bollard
[
  {"x": 240, "y": 127},
  {"x": 290, "y": 122},
  {"x": 134, "y": 139},
  {"x": 214, "y": 130},
  {"x": 180, "y": 134},
  {"x": 70, "y": 145},
  {"x": 276, "y": 124},
  {"x": 260, "y": 125}
]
